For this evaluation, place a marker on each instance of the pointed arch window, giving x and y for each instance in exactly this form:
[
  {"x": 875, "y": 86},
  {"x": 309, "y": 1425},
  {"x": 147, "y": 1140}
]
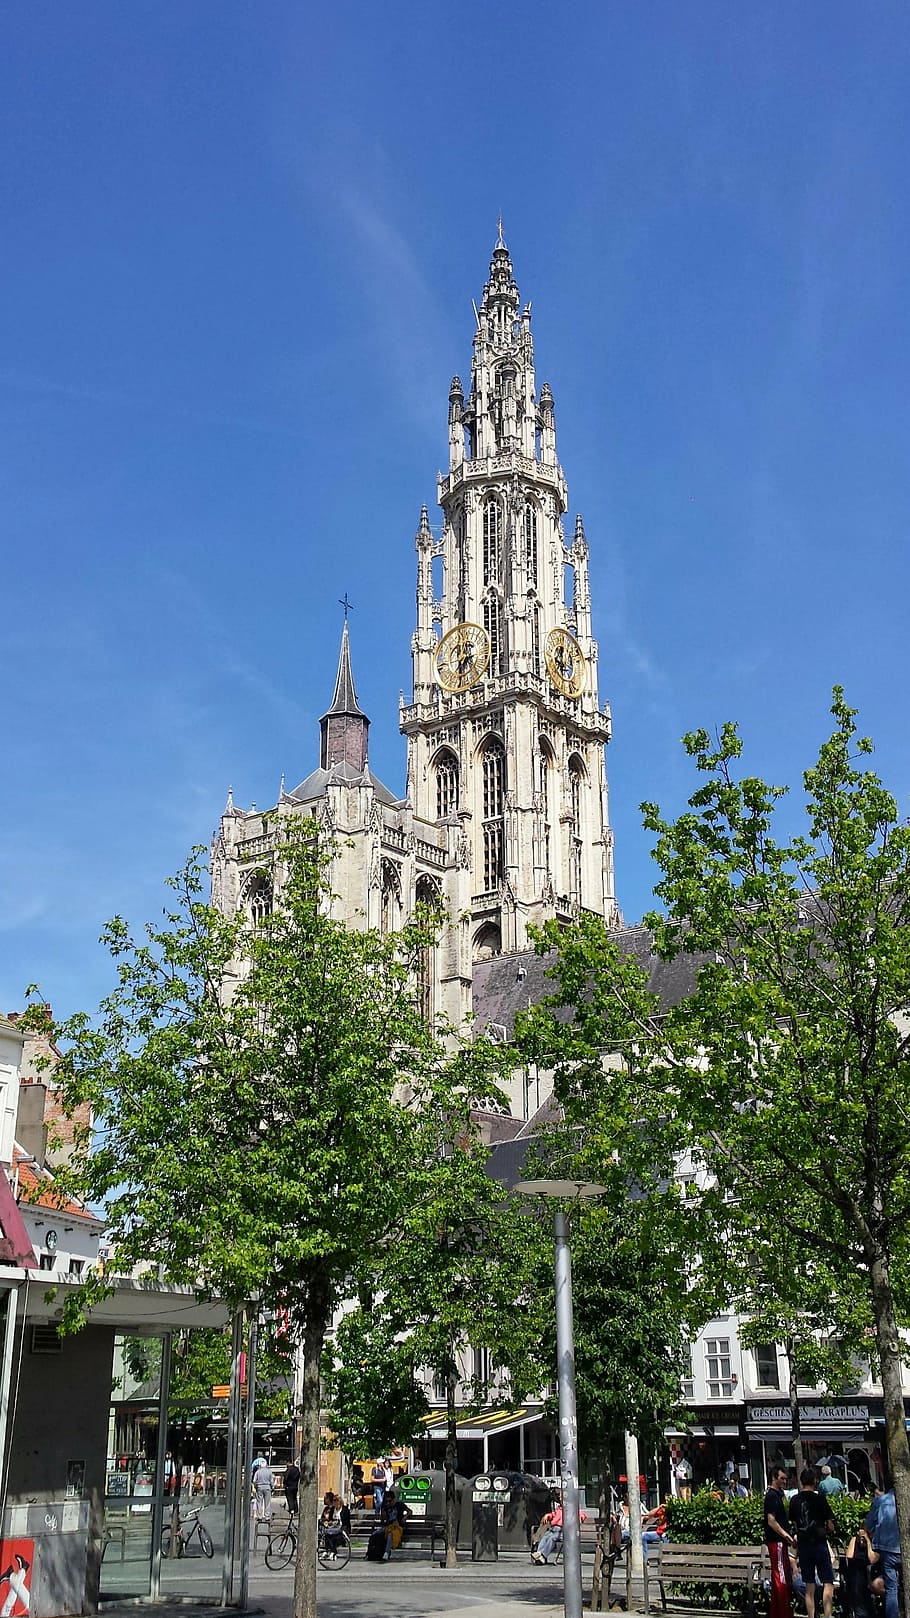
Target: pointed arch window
[
  {"x": 258, "y": 896},
  {"x": 544, "y": 777},
  {"x": 446, "y": 784},
  {"x": 492, "y": 539},
  {"x": 391, "y": 897},
  {"x": 531, "y": 542},
  {"x": 428, "y": 895},
  {"x": 577, "y": 780},
  {"x": 492, "y": 623},
  {"x": 534, "y": 616},
  {"x": 493, "y": 773}
]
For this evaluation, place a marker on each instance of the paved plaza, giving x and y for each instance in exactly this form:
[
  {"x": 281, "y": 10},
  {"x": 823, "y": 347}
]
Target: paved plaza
[{"x": 411, "y": 1586}]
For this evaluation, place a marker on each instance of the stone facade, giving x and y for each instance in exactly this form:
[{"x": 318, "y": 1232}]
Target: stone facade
[
  {"x": 515, "y": 754},
  {"x": 505, "y": 816}
]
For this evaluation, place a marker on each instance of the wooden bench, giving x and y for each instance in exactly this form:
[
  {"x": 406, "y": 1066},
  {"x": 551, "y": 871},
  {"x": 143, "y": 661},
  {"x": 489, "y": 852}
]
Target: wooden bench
[
  {"x": 607, "y": 1557},
  {"x": 670, "y": 1563}
]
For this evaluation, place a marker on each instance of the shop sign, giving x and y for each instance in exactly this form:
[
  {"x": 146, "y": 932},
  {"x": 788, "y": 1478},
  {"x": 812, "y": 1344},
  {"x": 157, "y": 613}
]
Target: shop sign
[{"x": 809, "y": 1415}]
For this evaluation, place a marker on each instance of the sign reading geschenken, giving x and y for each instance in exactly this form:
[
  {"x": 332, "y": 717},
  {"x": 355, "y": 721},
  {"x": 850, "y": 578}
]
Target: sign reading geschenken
[{"x": 817, "y": 1415}]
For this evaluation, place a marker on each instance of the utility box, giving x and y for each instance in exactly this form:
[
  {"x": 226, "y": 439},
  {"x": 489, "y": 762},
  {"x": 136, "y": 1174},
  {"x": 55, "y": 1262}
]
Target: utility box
[
  {"x": 499, "y": 1511},
  {"x": 484, "y": 1531}
]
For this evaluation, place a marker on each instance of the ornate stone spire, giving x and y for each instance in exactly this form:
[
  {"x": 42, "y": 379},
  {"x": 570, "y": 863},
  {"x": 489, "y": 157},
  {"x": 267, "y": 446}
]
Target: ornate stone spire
[
  {"x": 499, "y": 304},
  {"x": 345, "y": 727}
]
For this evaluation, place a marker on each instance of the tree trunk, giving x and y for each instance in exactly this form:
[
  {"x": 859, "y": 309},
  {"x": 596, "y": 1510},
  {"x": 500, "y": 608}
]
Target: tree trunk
[
  {"x": 315, "y": 1326},
  {"x": 898, "y": 1448},
  {"x": 451, "y": 1518},
  {"x": 795, "y": 1413}
]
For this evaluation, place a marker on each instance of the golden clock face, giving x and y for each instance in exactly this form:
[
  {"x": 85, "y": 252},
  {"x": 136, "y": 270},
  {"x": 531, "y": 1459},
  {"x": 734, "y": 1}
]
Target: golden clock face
[
  {"x": 565, "y": 662},
  {"x": 462, "y": 657}
]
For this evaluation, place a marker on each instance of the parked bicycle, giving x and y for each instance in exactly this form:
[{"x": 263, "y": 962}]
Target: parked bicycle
[
  {"x": 332, "y": 1554},
  {"x": 333, "y": 1551},
  {"x": 189, "y": 1529},
  {"x": 282, "y": 1547}
]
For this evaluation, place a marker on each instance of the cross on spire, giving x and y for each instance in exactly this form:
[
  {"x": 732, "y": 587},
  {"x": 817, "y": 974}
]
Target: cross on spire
[{"x": 346, "y": 604}]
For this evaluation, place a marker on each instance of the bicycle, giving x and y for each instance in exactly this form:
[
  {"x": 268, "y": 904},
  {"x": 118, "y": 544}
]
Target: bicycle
[
  {"x": 282, "y": 1548},
  {"x": 333, "y": 1560},
  {"x": 186, "y": 1535}
]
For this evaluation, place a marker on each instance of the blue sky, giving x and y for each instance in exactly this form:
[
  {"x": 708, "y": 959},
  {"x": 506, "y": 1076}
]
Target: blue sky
[{"x": 239, "y": 246}]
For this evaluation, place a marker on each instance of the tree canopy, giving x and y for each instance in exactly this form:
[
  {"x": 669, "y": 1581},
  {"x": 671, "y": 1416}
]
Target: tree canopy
[
  {"x": 781, "y": 1080},
  {"x": 269, "y": 1107},
  {"x": 463, "y": 1276}
]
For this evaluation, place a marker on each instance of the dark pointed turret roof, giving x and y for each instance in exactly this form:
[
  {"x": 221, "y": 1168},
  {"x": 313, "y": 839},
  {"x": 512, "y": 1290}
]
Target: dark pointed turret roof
[{"x": 345, "y": 698}]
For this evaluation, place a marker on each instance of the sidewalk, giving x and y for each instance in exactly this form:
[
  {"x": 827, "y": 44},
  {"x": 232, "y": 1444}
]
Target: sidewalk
[{"x": 508, "y": 1588}]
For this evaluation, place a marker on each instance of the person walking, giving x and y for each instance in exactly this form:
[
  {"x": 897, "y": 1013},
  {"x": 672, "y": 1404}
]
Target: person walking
[
  {"x": 778, "y": 1539},
  {"x": 262, "y": 1484},
  {"x": 291, "y": 1482},
  {"x": 882, "y": 1525},
  {"x": 810, "y": 1515}
]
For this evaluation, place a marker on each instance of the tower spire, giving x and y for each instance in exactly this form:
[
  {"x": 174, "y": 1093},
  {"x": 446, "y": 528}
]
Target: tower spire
[{"x": 345, "y": 727}]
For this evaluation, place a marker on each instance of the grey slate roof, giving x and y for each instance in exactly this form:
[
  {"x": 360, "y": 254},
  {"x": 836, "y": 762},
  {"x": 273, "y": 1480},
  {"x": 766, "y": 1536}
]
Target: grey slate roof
[
  {"x": 507, "y": 984},
  {"x": 342, "y": 774}
]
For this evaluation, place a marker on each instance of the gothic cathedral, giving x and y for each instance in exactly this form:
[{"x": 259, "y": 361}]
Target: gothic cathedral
[{"x": 505, "y": 816}]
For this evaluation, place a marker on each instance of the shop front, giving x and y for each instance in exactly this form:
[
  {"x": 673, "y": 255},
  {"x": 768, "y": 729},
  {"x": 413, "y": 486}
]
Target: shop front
[
  {"x": 81, "y": 1524},
  {"x": 715, "y": 1447},
  {"x": 840, "y": 1434}
]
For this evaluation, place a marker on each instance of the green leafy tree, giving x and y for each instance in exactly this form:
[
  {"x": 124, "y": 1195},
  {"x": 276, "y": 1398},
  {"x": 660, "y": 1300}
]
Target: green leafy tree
[
  {"x": 785, "y": 1072},
  {"x": 818, "y": 1323},
  {"x": 252, "y": 1088},
  {"x": 374, "y": 1397},
  {"x": 631, "y": 1250},
  {"x": 461, "y": 1275},
  {"x": 632, "y": 1328}
]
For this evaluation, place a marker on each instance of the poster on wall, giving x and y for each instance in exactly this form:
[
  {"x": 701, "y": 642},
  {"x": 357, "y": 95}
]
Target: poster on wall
[{"x": 17, "y": 1558}]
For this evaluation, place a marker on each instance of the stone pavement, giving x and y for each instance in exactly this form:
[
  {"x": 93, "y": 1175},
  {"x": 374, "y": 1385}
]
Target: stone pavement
[{"x": 407, "y": 1588}]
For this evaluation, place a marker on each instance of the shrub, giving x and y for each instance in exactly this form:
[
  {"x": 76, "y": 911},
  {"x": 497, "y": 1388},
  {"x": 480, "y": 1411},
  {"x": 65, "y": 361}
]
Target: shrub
[{"x": 707, "y": 1520}]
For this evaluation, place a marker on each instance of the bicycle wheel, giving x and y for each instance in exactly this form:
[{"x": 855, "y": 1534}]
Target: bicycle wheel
[
  {"x": 205, "y": 1540},
  {"x": 166, "y": 1543},
  {"x": 280, "y": 1550},
  {"x": 334, "y": 1560}
]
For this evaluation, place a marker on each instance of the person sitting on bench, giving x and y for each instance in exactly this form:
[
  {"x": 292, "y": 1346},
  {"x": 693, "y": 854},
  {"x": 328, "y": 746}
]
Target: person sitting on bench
[{"x": 551, "y": 1538}]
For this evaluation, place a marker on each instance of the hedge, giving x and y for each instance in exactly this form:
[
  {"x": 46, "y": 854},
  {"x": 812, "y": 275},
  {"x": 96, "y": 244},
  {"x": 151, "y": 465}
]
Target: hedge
[{"x": 706, "y": 1520}]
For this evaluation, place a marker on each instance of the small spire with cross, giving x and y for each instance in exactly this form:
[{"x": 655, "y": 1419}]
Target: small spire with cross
[{"x": 346, "y": 604}]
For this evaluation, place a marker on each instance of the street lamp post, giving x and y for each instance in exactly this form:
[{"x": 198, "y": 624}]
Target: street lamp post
[{"x": 576, "y": 1191}]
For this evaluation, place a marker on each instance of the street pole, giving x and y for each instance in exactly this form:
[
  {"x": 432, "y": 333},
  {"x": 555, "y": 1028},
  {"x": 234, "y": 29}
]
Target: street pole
[
  {"x": 576, "y": 1191},
  {"x": 245, "y": 1520},
  {"x": 568, "y": 1427},
  {"x": 233, "y": 1491}
]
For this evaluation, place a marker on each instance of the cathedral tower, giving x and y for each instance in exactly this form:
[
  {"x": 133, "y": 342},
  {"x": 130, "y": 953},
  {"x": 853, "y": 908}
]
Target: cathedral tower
[{"x": 505, "y": 731}]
